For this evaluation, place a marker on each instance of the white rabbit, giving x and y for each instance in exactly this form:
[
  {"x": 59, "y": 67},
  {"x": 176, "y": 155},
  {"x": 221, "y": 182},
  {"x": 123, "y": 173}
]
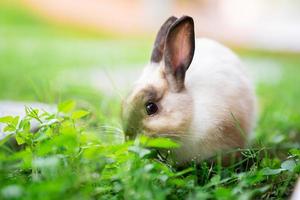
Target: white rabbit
[{"x": 195, "y": 91}]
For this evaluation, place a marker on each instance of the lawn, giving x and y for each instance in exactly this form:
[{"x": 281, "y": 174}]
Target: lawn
[{"x": 79, "y": 152}]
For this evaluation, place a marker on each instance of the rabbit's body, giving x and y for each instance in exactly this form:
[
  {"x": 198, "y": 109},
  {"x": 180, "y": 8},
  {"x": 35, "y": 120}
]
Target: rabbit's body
[
  {"x": 222, "y": 99},
  {"x": 195, "y": 91}
]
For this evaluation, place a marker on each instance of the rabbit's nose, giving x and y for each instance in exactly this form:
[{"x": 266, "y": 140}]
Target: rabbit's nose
[{"x": 130, "y": 133}]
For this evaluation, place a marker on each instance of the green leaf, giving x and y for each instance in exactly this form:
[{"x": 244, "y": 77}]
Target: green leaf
[
  {"x": 164, "y": 143},
  {"x": 185, "y": 171},
  {"x": 288, "y": 165},
  {"x": 295, "y": 152},
  {"x": 66, "y": 106},
  {"x": 25, "y": 125},
  {"x": 12, "y": 125},
  {"x": 49, "y": 132},
  {"x": 223, "y": 193},
  {"x": 79, "y": 114},
  {"x": 32, "y": 112},
  {"x": 46, "y": 162},
  {"x": 15, "y": 121},
  {"x": 267, "y": 171},
  {"x": 9, "y": 128},
  {"x": 12, "y": 192},
  {"x": 5, "y": 139},
  {"x": 6, "y": 119},
  {"x": 19, "y": 139},
  {"x": 140, "y": 151},
  {"x": 202, "y": 194},
  {"x": 215, "y": 180}
]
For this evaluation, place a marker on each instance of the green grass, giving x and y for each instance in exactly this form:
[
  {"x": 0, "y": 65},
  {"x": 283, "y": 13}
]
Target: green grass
[{"x": 76, "y": 155}]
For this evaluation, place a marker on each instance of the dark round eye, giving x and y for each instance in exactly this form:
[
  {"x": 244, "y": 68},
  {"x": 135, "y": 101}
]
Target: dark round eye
[{"x": 151, "y": 108}]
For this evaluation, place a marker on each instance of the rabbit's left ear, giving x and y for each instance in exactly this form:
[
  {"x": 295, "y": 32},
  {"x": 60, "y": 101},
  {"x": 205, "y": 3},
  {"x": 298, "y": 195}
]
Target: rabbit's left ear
[
  {"x": 179, "y": 52},
  {"x": 159, "y": 44}
]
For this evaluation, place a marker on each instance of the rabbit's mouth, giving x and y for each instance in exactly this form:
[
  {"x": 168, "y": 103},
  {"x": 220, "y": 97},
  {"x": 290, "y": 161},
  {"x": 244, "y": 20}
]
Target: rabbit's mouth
[
  {"x": 172, "y": 136},
  {"x": 130, "y": 133}
]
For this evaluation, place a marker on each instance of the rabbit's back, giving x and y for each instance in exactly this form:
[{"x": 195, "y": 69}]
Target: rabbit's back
[{"x": 223, "y": 99}]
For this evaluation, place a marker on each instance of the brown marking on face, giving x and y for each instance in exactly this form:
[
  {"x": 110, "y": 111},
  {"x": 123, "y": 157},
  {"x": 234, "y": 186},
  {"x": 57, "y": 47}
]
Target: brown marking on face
[
  {"x": 134, "y": 109},
  {"x": 174, "y": 113},
  {"x": 174, "y": 117}
]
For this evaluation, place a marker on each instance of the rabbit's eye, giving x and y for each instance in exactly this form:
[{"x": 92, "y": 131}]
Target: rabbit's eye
[{"x": 151, "y": 108}]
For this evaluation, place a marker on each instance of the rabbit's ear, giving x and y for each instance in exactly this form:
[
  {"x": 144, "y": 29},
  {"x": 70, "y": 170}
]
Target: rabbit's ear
[
  {"x": 179, "y": 51},
  {"x": 158, "y": 49}
]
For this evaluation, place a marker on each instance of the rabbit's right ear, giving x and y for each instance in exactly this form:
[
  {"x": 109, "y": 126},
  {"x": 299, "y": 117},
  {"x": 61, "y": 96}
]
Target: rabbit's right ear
[
  {"x": 179, "y": 52},
  {"x": 158, "y": 49}
]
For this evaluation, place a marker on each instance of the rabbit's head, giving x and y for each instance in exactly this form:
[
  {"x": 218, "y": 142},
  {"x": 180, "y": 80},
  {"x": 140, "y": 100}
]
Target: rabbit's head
[{"x": 159, "y": 104}]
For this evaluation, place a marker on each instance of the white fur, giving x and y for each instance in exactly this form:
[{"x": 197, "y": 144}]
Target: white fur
[
  {"x": 216, "y": 80},
  {"x": 217, "y": 89}
]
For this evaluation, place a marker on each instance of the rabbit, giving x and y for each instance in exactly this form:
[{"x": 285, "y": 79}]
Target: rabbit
[{"x": 194, "y": 91}]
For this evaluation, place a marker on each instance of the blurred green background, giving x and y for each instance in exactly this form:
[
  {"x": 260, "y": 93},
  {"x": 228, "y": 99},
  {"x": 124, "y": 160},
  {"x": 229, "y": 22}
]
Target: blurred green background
[
  {"x": 47, "y": 58},
  {"x": 37, "y": 56}
]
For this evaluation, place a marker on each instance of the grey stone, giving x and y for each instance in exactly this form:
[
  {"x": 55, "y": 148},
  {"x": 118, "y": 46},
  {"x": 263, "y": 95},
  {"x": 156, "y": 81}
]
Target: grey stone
[{"x": 13, "y": 108}]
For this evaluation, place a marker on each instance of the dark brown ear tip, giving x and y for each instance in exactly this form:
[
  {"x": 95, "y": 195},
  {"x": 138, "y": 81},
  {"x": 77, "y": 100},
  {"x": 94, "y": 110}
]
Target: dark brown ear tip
[
  {"x": 157, "y": 52},
  {"x": 185, "y": 19},
  {"x": 172, "y": 18},
  {"x": 170, "y": 21}
]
